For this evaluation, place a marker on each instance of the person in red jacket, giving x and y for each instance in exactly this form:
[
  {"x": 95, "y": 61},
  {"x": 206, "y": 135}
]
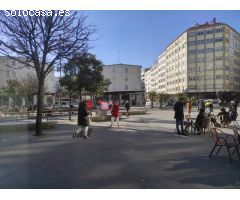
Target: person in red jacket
[{"x": 115, "y": 113}]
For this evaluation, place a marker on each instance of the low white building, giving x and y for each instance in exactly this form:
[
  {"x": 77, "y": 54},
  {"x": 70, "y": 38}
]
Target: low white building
[
  {"x": 12, "y": 70},
  {"x": 125, "y": 83}
]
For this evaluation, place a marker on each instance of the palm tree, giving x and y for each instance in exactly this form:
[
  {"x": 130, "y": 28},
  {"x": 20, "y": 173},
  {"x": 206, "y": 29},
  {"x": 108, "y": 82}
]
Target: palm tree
[
  {"x": 162, "y": 97},
  {"x": 152, "y": 95}
]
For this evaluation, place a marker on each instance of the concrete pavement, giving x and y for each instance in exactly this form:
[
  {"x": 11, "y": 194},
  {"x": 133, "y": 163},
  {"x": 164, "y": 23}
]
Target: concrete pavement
[{"x": 144, "y": 152}]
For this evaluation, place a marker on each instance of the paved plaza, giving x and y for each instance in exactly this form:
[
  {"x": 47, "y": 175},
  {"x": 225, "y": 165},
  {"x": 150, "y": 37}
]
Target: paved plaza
[{"x": 144, "y": 152}]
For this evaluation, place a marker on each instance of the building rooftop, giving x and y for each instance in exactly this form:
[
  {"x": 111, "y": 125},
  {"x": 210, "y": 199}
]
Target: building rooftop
[{"x": 124, "y": 65}]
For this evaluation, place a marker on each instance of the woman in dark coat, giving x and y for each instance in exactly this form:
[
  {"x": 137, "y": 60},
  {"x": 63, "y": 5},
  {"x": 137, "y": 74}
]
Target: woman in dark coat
[
  {"x": 83, "y": 121},
  {"x": 199, "y": 120},
  {"x": 179, "y": 116}
]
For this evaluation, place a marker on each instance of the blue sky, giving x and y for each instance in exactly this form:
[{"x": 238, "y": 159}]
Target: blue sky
[{"x": 138, "y": 37}]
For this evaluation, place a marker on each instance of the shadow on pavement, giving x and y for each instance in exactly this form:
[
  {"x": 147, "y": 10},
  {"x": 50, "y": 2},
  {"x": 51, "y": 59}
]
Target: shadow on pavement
[{"x": 114, "y": 158}]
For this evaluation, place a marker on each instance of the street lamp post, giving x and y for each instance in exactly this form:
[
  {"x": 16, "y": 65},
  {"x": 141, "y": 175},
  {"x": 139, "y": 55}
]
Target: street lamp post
[
  {"x": 60, "y": 69},
  {"x": 60, "y": 97}
]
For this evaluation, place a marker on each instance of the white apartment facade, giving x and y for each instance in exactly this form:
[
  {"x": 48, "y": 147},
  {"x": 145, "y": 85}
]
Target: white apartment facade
[
  {"x": 162, "y": 73},
  {"x": 176, "y": 65},
  {"x": 143, "y": 73},
  {"x": 213, "y": 59},
  {"x": 125, "y": 83},
  {"x": 154, "y": 77},
  {"x": 203, "y": 61},
  {"x": 147, "y": 80}
]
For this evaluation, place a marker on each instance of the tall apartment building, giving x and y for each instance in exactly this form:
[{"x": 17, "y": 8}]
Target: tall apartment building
[
  {"x": 176, "y": 65},
  {"x": 147, "y": 79},
  {"x": 154, "y": 77},
  {"x": 161, "y": 73},
  {"x": 203, "y": 61},
  {"x": 143, "y": 73},
  {"x": 213, "y": 59}
]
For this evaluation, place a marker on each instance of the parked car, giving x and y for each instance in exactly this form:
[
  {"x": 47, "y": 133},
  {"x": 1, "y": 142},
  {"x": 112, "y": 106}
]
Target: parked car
[
  {"x": 65, "y": 104},
  {"x": 148, "y": 104}
]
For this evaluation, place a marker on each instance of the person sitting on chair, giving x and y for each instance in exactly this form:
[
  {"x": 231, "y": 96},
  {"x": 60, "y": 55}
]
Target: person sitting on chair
[
  {"x": 232, "y": 113},
  {"x": 199, "y": 120},
  {"x": 224, "y": 117}
]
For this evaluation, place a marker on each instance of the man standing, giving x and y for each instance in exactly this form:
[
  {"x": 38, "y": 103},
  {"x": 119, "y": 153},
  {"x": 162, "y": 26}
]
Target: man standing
[{"x": 179, "y": 115}]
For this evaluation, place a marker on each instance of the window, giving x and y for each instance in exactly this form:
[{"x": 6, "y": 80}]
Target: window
[
  {"x": 8, "y": 74},
  {"x": 126, "y": 70},
  {"x": 126, "y": 87},
  {"x": 218, "y": 48},
  {"x": 219, "y": 58},
  {"x": 218, "y": 76},
  {"x": 200, "y": 60},
  {"x": 218, "y": 39},
  {"x": 219, "y": 30},
  {"x": 209, "y": 32},
  {"x": 192, "y": 34},
  {"x": 209, "y": 50}
]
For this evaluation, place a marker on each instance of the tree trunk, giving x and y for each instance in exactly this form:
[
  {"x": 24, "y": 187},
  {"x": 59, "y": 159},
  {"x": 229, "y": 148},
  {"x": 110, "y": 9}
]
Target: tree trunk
[
  {"x": 70, "y": 107},
  {"x": 39, "y": 108},
  {"x": 80, "y": 96}
]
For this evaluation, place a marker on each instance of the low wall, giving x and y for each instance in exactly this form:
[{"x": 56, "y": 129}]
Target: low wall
[{"x": 12, "y": 127}]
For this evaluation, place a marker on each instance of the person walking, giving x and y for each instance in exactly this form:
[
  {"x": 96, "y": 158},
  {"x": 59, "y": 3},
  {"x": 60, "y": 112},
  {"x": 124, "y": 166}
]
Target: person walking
[
  {"x": 115, "y": 113},
  {"x": 179, "y": 115},
  {"x": 110, "y": 105},
  {"x": 83, "y": 121},
  {"x": 189, "y": 107},
  {"x": 127, "y": 106}
]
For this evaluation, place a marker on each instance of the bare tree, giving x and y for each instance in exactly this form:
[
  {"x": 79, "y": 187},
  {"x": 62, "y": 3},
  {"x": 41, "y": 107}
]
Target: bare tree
[
  {"x": 28, "y": 87},
  {"x": 42, "y": 42}
]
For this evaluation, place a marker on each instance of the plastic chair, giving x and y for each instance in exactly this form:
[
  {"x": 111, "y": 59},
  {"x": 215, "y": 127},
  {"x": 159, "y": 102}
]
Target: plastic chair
[
  {"x": 221, "y": 139},
  {"x": 205, "y": 126},
  {"x": 237, "y": 137}
]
